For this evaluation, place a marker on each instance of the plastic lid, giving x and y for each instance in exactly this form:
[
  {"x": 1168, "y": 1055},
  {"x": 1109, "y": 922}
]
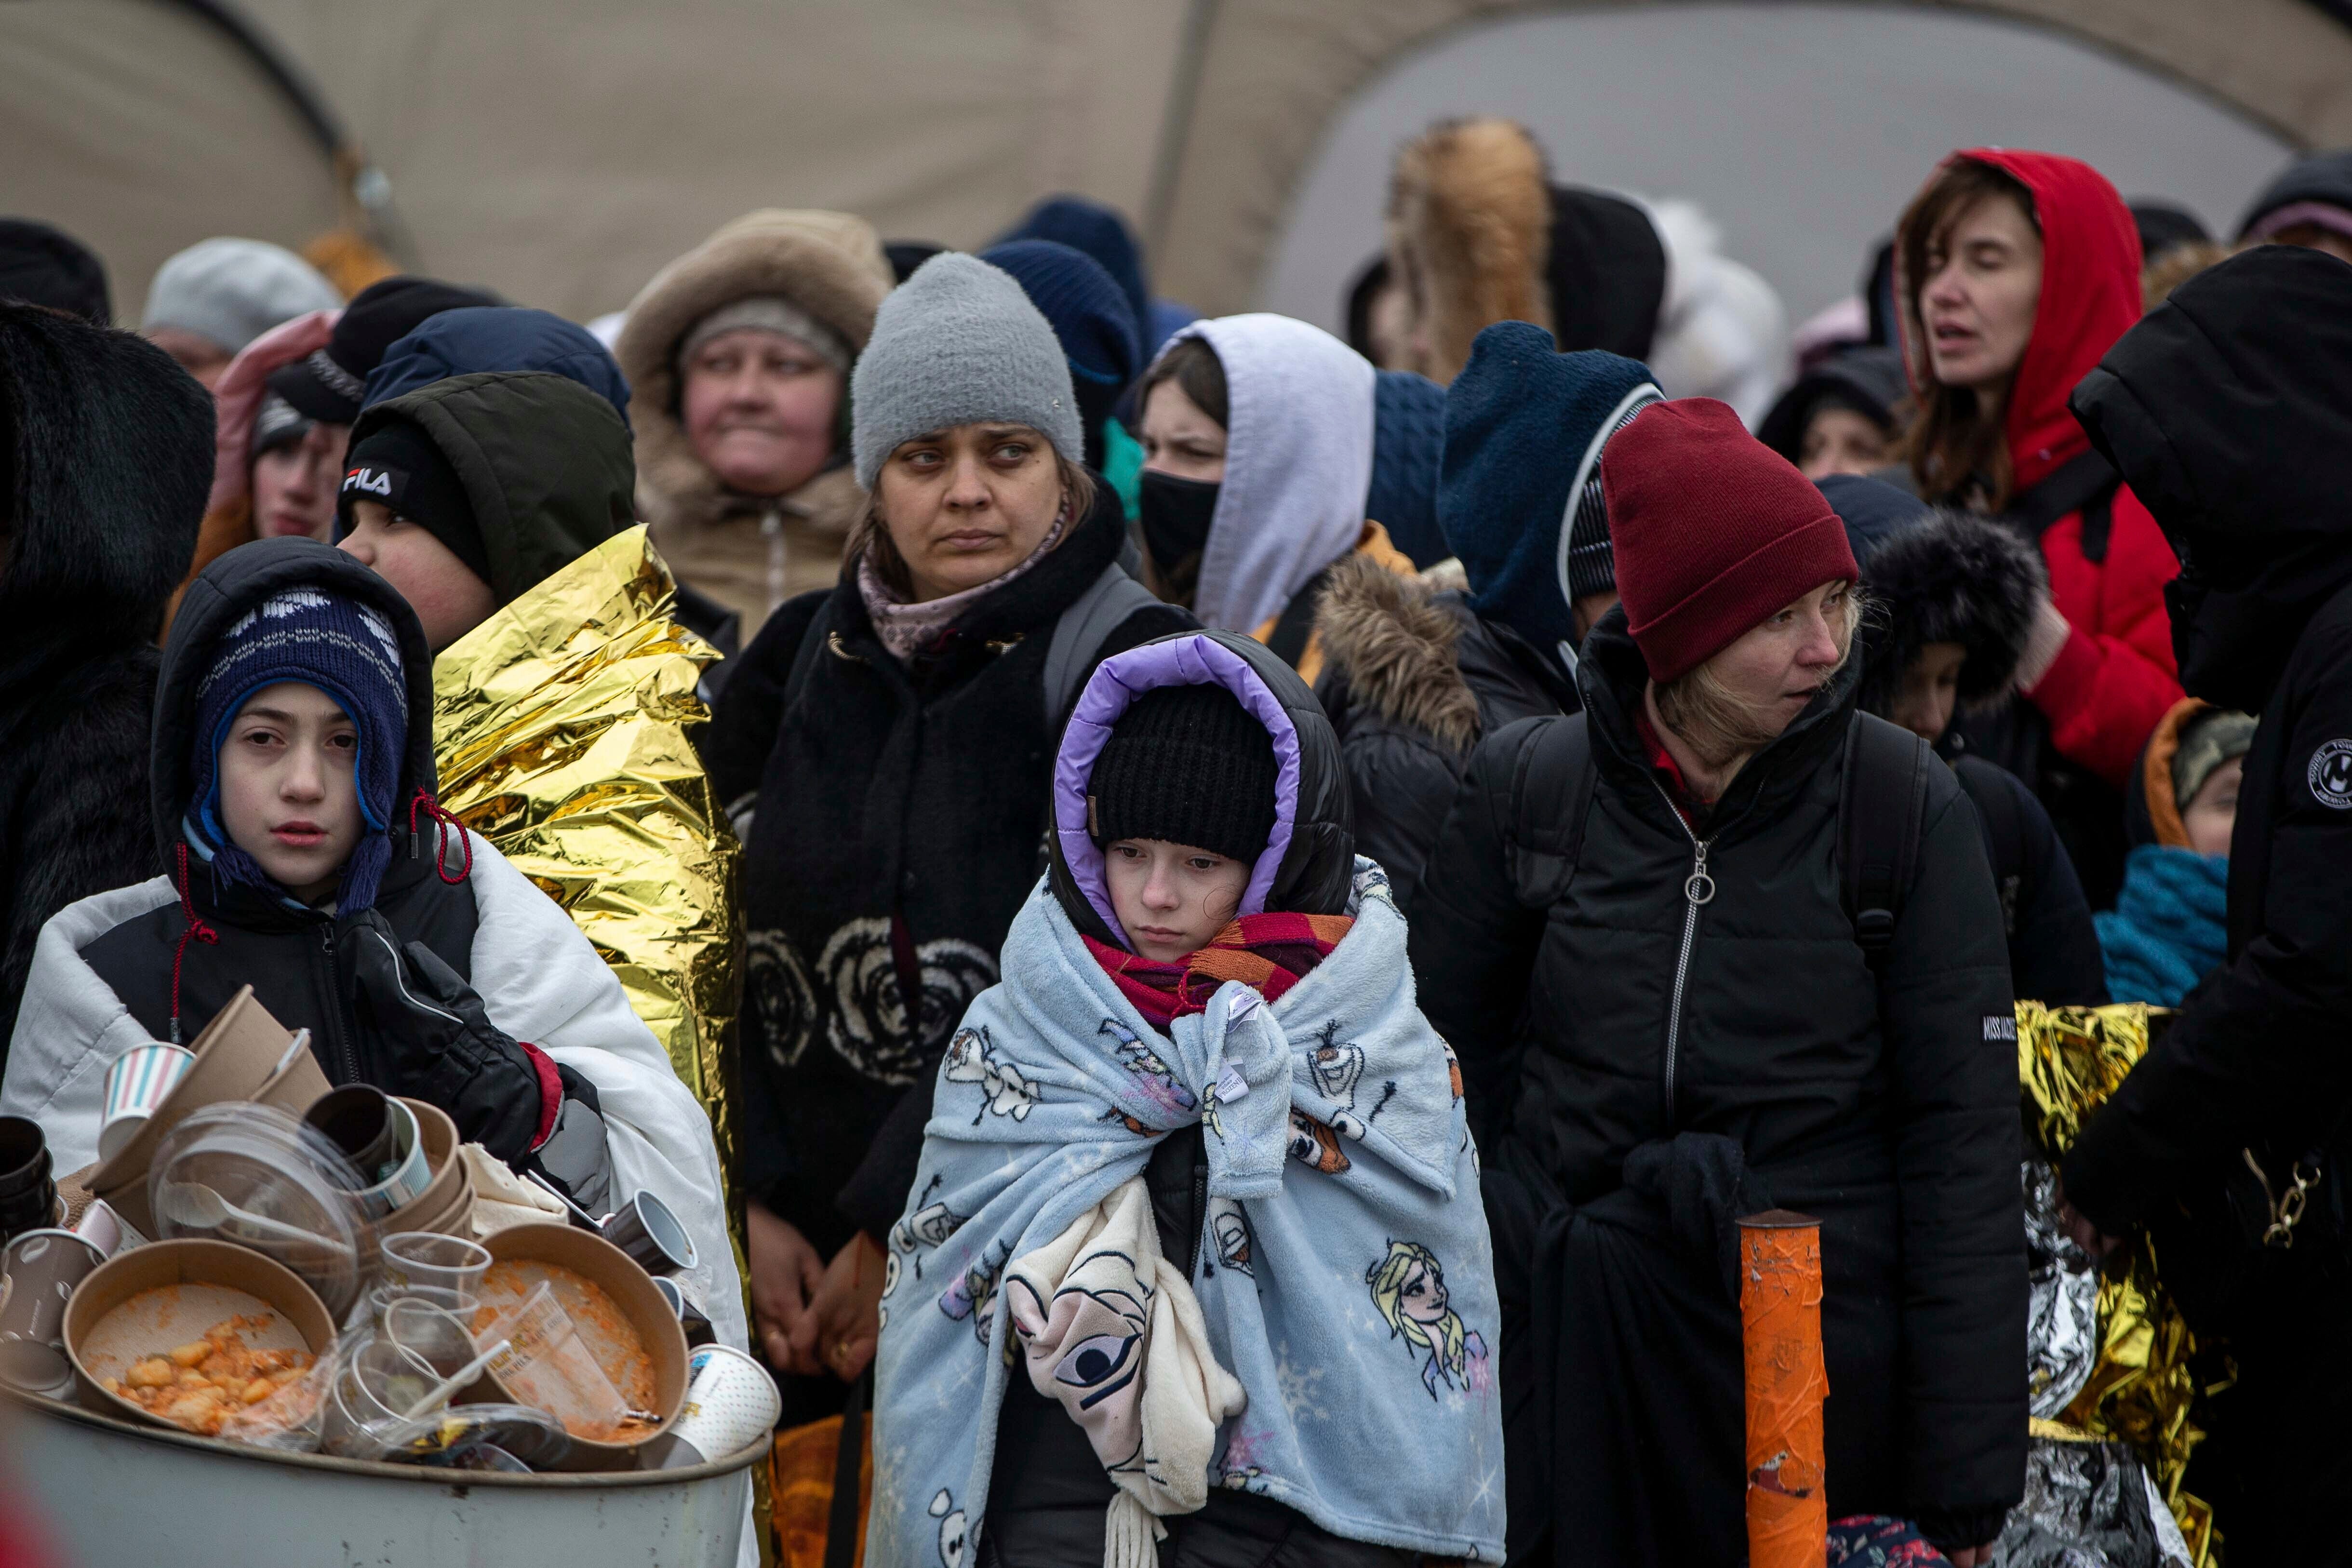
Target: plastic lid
[{"x": 257, "y": 1176}]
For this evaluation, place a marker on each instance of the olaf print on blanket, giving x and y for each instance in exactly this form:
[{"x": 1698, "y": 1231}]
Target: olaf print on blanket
[{"x": 1407, "y": 1287}]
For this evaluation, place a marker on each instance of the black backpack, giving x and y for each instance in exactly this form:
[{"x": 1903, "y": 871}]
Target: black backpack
[{"x": 1882, "y": 805}]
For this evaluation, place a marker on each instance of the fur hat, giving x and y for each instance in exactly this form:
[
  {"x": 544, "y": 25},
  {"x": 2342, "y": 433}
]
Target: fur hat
[
  {"x": 1943, "y": 576},
  {"x": 1469, "y": 234}
]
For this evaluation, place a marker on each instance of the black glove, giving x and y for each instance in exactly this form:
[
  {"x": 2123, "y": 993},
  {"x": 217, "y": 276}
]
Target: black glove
[
  {"x": 576, "y": 1156},
  {"x": 424, "y": 1034}
]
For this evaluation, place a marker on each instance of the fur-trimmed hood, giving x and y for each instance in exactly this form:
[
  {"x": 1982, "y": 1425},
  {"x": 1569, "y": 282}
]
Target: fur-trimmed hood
[
  {"x": 110, "y": 457},
  {"x": 1395, "y": 641},
  {"x": 1950, "y": 576},
  {"x": 829, "y": 264},
  {"x": 1469, "y": 227}
]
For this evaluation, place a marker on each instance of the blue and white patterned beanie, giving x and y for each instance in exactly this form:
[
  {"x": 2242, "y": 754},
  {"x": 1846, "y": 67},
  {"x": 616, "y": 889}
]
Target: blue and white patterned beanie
[{"x": 342, "y": 647}]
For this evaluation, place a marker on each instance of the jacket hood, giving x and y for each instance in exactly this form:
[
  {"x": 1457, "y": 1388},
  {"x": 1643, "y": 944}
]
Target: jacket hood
[
  {"x": 497, "y": 337},
  {"x": 2229, "y": 413},
  {"x": 1469, "y": 234},
  {"x": 1096, "y": 231},
  {"x": 2090, "y": 297},
  {"x": 829, "y": 264},
  {"x": 1396, "y": 643},
  {"x": 108, "y": 460},
  {"x": 2322, "y": 179},
  {"x": 2151, "y": 814},
  {"x": 222, "y": 595},
  {"x": 1940, "y": 575},
  {"x": 545, "y": 463},
  {"x": 1308, "y": 862},
  {"x": 1867, "y": 380},
  {"x": 1298, "y": 463},
  {"x": 1524, "y": 431}
]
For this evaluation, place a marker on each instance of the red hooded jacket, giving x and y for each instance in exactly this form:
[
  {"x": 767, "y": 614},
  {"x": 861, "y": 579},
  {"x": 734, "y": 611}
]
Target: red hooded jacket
[{"x": 2115, "y": 677}]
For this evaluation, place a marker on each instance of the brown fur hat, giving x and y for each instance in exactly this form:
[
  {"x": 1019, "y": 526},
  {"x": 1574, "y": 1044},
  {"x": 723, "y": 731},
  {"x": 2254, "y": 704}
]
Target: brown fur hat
[
  {"x": 1469, "y": 235},
  {"x": 829, "y": 264}
]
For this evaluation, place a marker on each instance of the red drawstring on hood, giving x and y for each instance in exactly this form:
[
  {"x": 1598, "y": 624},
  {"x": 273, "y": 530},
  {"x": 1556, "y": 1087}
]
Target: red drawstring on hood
[
  {"x": 444, "y": 823},
  {"x": 2090, "y": 297},
  {"x": 196, "y": 931}
]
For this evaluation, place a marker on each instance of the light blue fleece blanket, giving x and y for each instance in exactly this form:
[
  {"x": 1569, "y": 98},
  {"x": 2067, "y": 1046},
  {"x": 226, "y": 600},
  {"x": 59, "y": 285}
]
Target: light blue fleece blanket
[{"x": 1345, "y": 1272}]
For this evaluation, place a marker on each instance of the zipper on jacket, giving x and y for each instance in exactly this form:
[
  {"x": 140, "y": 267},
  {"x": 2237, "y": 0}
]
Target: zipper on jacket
[
  {"x": 344, "y": 1050},
  {"x": 1698, "y": 890}
]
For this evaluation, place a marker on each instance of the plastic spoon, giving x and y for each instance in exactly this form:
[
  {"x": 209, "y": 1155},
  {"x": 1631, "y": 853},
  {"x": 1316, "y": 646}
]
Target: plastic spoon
[
  {"x": 594, "y": 1222},
  {"x": 456, "y": 1380},
  {"x": 194, "y": 1203}
]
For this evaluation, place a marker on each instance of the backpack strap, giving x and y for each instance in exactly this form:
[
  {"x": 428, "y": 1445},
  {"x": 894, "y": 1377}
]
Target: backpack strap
[
  {"x": 1547, "y": 816},
  {"x": 1882, "y": 805},
  {"x": 2085, "y": 483},
  {"x": 1081, "y": 631}
]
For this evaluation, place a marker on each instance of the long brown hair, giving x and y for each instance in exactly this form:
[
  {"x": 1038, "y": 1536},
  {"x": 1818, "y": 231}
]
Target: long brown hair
[
  {"x": 871, "y": 537},
  {"x": 1952, "y": 448}
]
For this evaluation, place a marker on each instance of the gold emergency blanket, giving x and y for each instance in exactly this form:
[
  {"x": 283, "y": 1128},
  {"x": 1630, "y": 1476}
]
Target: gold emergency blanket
[
  {"x": 560, "y": 725},
  {"x": 2141, "y": 1389}
]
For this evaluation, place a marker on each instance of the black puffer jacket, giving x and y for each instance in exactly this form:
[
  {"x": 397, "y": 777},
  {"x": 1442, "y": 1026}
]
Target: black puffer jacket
[
  {"x": 1601, "y": 1011},
  {"x": 1410, "y": 680},
  {"x": 899, "y": 824},
  {"x": 299, "y": 961},
  {"x": 106, "y": 454},
  {"x": 2229, "y": 410}
]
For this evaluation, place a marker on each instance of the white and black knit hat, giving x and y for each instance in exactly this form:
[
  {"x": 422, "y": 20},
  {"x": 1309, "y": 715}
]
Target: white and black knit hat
[{"x": 957, "y": 343}]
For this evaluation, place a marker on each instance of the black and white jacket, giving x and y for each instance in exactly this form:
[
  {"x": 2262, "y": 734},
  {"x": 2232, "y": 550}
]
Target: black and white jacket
[{"x": 900, "y": 823}]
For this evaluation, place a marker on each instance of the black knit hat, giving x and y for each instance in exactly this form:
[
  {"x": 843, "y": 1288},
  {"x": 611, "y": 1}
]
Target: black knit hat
[
  {"x": 397, "y": 464},
  {"x": 330, "y": 384},
  {"x": 1187, "y": 764},
  {"x": 46, "y": 266}
]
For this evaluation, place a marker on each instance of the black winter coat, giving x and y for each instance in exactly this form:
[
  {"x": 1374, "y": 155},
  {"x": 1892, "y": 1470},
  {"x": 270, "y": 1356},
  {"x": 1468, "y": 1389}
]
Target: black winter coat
[
  {"x": 1410, "y": 680},
  {"x": 900, "y": 823},
  {"x": 106, "y": 456},
  {"x": 1598, "y": 1012},
  {"x": 2229, "y": 410},
  {"x": 2053, "y": 948}
]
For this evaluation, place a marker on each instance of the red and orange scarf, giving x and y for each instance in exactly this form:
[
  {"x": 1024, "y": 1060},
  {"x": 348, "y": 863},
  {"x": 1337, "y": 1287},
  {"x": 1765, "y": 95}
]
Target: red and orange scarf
[{"x": 1270, "y": 953}]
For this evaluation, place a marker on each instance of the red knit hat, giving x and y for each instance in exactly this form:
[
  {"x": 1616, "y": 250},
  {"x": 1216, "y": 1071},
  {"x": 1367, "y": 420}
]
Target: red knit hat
[{"x": 1713, "y": 530}]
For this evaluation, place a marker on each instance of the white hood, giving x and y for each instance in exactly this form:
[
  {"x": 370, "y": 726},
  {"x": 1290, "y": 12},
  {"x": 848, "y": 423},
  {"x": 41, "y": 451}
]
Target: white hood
[{"x": 1298, "y": 461}]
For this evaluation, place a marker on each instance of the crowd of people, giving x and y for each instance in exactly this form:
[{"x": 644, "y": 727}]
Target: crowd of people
[{"x": 1234, "y": 917}]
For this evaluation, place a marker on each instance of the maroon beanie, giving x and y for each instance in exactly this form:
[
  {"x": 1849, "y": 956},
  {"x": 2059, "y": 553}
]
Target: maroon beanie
[{"x": 1714, "y": 532}]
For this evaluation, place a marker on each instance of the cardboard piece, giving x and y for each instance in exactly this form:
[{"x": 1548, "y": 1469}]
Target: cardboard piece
[{"x": 242, "y": 1054}]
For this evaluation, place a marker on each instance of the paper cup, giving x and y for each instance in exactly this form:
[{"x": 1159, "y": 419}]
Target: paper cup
[
  {"x": 730, "y": 1404},
  {"x": 42, "y": 1267},
  {"x": 141, "y": 1080}
]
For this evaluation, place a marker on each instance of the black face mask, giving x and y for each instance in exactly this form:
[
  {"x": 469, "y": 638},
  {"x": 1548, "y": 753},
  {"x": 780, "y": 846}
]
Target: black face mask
[{"x": 1176, "y": 517}]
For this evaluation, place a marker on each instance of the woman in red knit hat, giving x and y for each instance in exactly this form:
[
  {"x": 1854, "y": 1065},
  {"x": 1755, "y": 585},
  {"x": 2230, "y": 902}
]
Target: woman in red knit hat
[{"x": 1635, "y": 934}]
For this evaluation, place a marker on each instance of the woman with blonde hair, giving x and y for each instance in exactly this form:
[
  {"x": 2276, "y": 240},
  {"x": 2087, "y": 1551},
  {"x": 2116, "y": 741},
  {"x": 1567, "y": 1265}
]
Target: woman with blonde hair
[{"x": 1679, "y": 995}]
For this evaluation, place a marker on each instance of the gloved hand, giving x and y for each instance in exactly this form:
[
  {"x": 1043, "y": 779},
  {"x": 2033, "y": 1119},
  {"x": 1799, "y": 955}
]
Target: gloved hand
[{"x": 424, "y": 1032}]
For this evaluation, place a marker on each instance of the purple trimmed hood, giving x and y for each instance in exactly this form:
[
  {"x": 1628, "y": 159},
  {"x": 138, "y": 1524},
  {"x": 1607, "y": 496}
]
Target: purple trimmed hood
[{"x": 1310, "y": 856}]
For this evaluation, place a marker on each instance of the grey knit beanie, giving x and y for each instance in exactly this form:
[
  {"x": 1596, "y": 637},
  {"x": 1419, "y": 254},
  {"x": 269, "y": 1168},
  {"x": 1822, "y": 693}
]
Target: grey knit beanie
[{"x": 956, "y": 343}]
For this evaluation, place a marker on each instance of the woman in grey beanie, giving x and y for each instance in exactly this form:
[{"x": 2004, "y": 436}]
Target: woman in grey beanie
[{"x": 885, "y": 747}]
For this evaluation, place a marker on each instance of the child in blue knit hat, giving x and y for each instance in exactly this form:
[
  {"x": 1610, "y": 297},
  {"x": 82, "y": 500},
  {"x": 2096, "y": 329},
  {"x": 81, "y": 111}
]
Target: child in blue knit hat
[{"x": 292, "y": 787}]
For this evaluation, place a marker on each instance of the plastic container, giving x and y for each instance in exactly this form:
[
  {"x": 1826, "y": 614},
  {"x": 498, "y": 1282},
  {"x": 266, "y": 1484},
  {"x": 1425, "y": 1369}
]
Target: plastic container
[
  {"x": 427, "y": 1257},
  {"x": 549, "y": 1366},
  {"x": 256, "y": 1177}
]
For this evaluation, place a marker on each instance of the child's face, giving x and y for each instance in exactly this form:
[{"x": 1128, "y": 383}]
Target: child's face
[
  {"x": 1930, "y": 686},
  {"x": 1172, "y": 898},
  {"x": 443, "y": 590},
  {"x": 287, "y": 795},
  {"x": 2212, "y": 812}
]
